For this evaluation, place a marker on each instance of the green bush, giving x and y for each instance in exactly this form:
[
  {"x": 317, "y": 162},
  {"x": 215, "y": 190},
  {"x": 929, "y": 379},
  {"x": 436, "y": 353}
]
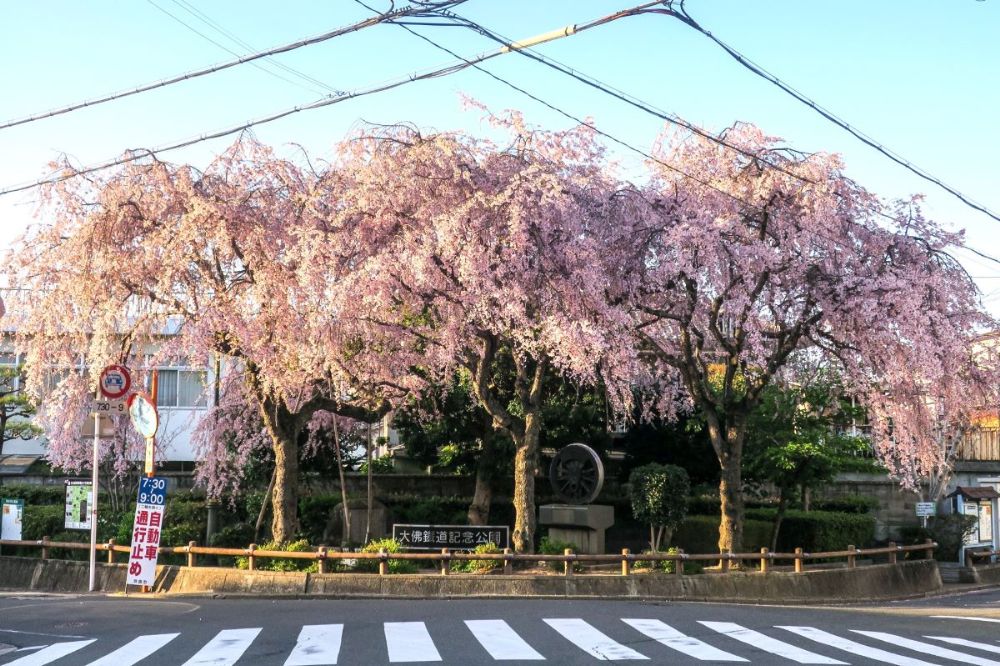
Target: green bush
[
  {"x": 659, "y": 495},
  {"x": 314, "y": 515},
  {"x": 423, "y": 510},
  {"x": 669, "y": 566},
  {"x": 479, "y": 566},
  {"x": 555, "y": 547},
  {"x": 700, "y": 534},
  {"x": 389, "y": 546},
  {"x": 39, "y": 521},
  {"x": 949, "y": 531},
  {"x": 819, "y": 531},
  {"x": 35, "y": 495},
  {"x": 848, "y": 504},
  {"x": 281, "y": 564}
]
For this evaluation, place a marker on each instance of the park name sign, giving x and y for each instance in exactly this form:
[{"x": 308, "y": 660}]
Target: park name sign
[
  {"x": 146, "y": 531},
  {"x": 453, "y": 537}
]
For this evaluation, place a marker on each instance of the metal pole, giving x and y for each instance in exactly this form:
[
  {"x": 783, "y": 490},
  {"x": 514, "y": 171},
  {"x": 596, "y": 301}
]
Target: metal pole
[{"x": 93, "y": 505}]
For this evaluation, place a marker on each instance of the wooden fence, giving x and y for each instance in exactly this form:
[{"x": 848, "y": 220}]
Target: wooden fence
[{"x": 322, "y": 555}]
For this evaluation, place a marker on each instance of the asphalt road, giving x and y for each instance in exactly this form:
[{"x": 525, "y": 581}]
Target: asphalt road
[{"x": 37, "y": 630}]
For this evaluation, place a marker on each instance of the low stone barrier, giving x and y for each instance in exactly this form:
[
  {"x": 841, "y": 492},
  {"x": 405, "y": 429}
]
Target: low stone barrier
[{"x": 880, "y": 581}]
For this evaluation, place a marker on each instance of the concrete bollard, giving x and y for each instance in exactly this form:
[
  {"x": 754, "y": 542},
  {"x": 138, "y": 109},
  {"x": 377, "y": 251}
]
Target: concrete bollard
[
  {"x": 191, "y": 555},
  {"x": 508, "y": 569},
  {"x": 892, "y": 553},
  {"x": 111, "y": 550},
  {"x": 445, "y": 561},
  {"x": 568, "y": 564},
  {"x": 852, "y": 557},
  {"x": 251, "y": 560},
  {"x": 626, "y": 565},
  {"x": 383, "y": 563},
  {"x": 798, "y": 560},
  {"x": 679, "y": 563},
  {"x": 764, "y": 562}
]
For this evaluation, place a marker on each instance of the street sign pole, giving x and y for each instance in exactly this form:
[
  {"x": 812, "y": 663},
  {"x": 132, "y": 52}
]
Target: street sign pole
[{"x": 93, "y": 509}]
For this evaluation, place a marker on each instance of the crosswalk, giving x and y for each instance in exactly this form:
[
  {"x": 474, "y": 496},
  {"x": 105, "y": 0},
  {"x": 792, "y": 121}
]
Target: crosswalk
[{"x": 634, "y": 639}]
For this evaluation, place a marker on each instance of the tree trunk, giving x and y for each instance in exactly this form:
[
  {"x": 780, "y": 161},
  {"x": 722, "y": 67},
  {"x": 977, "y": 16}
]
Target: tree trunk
[
  {"x": 525, "y": 463},
  {"x": 368, "y": 501},
  {"x": 343, "y": 485},
  {"x": 731, "y": 506},
  {"x": 806, "y": 499},
  {"x": 778, "y": 517},
  {"x": 265, "y": 503},
  {"x": 479, "y": 510},
  {"x": 284, "y": 522}
]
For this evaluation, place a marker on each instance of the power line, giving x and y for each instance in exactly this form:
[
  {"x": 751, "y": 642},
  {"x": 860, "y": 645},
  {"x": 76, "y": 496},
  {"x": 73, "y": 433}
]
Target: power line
[
  {"x": 683, "y": 16},
  {"x": 421, "y": 9},
  {"x": 327, "y": 101}
]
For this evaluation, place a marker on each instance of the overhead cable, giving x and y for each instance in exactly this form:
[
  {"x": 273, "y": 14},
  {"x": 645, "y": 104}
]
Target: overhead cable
[{"x": 421, "y": 9}]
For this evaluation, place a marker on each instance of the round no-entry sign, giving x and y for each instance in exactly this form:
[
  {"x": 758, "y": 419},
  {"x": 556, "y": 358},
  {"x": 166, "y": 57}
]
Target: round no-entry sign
[
  {"x": 115, "y": 382},
  {"x": 143, "y": 413}
]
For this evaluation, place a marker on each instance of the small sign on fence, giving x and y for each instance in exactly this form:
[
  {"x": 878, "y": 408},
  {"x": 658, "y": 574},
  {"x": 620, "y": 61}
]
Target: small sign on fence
[
  {"x": 146, "y": 531},
  {"x": 454, "y": 537}
]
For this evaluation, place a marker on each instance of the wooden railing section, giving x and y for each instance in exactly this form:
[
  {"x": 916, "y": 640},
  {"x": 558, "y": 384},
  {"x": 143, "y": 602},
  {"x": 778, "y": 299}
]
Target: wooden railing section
[{"x": 323, "y": 555}]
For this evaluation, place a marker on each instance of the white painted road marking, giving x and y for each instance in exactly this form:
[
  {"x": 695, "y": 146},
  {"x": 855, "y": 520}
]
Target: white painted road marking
[
  {"x": 501, "y": 641},
  {"x": 826, "y": 638},
  {"x": 135, "y": 651},
  {"x": 965, "y": 617},
  {"x": 768, "y": 644},
  {"x": 227, "y": 646},
  {"x": 50, "y": 654},
  {"x": 674, "y": 639},
  {"x": 409, "y": 642},
  {"x": 927, "y": 648},
  {"x": 318, "y": 645},
  {"x": 589, "y": 639},
  {"x": 986, "y": 647}
]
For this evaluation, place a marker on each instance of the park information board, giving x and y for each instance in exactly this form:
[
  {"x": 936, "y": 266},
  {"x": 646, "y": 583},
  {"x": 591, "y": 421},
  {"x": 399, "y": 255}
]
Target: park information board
[
  {"x": 10, "y": 519},
  {"x": 79, "y": 501},
  {"x": 146, "y": 530},
  {"x": 453, "y": 537}
]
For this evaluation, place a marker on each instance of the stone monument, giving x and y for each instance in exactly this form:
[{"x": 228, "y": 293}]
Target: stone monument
[{"x": 577, "y": 476}]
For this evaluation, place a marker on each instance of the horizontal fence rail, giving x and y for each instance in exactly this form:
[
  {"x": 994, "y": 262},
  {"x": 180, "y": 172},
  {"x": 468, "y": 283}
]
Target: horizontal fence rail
[{"x": 569, "y": 559}]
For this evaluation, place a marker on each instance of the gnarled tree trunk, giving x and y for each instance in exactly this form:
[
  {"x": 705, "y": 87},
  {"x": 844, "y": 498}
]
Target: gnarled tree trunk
[
  {"x": 482, "y": 498},
  {"x": 284, "y": 503}
]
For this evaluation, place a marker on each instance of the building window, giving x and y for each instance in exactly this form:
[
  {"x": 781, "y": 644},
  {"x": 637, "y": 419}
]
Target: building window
[{"x": 181, "y": 388}]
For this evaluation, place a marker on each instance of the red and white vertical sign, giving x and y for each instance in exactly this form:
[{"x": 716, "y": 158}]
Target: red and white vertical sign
[{"x": 146, "y": 530}]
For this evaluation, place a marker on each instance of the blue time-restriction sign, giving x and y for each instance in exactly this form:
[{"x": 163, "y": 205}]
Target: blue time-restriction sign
[{"x": 153, "y": 490}]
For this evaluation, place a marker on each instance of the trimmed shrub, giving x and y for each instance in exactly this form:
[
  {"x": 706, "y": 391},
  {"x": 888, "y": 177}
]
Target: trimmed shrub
[
  {"x": 389, "y": 546},
  {"x": 848, "y": 504},
  {"x": 280, "y": 564},
  {"x": 818, "y": 531},
  {"x": 949, "y": 531},
  {"x": 555, "y": 547},
  {"x": 700, "y": 534},
  {"x": 479, "y": 566},
  {"x": 659, "y": 495}
]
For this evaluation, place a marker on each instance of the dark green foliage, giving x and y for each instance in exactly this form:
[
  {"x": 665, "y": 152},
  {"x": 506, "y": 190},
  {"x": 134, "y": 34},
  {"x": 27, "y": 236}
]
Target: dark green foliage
[
  {"x": 479, "y": 566},
  {"x": 659, "y": 495},
  {"x": 549, "y": 546},
  {"x": 816, "y": 531},
  {"x": 314, "y": 515},
  {"x": 949, "y": 531},
  {"x": 280, "y": 564},
  {"x": 699, "y": 535},
  {"x": 848, "y": 504},
  {"x": 35, "y": 495},
  {"x": 16, "y": 409}
]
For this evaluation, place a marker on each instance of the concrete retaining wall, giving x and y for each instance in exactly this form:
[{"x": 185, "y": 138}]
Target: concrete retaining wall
[{"x": 884, "y": 581}]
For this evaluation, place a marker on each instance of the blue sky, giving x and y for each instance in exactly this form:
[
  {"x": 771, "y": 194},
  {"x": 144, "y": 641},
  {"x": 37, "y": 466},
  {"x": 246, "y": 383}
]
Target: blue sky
[{"x": 921, "y": 77}]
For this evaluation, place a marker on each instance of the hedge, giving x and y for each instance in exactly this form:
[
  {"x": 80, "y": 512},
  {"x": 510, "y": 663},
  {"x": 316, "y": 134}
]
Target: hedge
[{"x": 818, "y": 531}]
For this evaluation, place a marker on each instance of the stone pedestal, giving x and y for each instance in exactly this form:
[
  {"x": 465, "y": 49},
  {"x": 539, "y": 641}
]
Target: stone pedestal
[{"x": 583, "y": 526}]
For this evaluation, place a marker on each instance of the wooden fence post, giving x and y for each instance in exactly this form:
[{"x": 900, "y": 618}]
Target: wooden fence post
[
  {"x": 851, "y": 561},
  {"x": 321, "y": 559},
  {"x": 764, "y": 563},
  {"x": 445, "y": 561},
  {"x": 383, "y": 562},
  {"x": 45, "y": 548},
  {"x": 111, "y": 550},
  {"x": 251, "y": 560},
  {"x": 191, "y": 555},
  {"x": 930, "y": 549},
  {"x": 724, "y": 563},
  {"x": 892, "y": 553},
  {"x": 626, "y": 568},
  {"x": 679, "y": 563},
  {"x": 568, "y": 564},
  {"x": 798, "y": 560},
  {"x": 507, "y": 568}
]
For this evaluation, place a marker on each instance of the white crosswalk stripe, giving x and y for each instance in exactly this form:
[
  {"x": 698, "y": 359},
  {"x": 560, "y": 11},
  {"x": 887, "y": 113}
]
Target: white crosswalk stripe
[
  {"x": 409, "y": 642},
  {"x": 227, "y": 646},
  {"x": 985, "y": 647},
  {"x": 853, "y": 647},
  {"x": 501, "y": 641},
  {"x": 318, "y": 645},
  {"x": 135, "y": 651},
  {"x": 586, "y": 637},
  {"x": 674, "y": 639},
  {"x": 50, "y": 654},
  {"x": 928, "y": 648},
  {"x": 768, "y": 644}
]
